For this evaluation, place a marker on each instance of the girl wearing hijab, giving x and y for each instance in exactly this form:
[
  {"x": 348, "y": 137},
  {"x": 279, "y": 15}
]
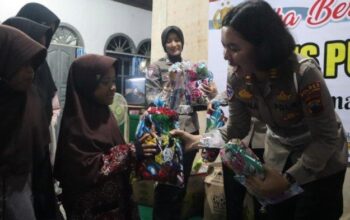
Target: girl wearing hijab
[
  {"x": 45, "y": 202},
  {"x": 168, "y": 199},
  {"x": 93, "y": 161},
  {"x": 23, "y": 129},
  {"x": 43, "y": 78}
]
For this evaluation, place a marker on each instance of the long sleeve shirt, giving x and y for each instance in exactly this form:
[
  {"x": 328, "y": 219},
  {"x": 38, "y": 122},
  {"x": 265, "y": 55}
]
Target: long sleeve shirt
[{"x": 300, "y": 117}]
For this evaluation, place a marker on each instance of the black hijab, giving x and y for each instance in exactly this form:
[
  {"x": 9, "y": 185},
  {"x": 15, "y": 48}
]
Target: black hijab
[
  {"x": 88, "y": 129},
  {"x": 164, "y": 37},
  {"x": 42, "y": 181},
  {"x": 40, "y": 14},
  {"x": 43, "y": 77}
]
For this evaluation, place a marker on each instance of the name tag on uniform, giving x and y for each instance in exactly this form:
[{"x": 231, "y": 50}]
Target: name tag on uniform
[{"x": 311, "y": 95}]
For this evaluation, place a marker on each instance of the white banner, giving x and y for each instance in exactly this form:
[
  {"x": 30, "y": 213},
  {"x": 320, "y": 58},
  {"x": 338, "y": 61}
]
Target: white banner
[{"x": 321, "y": 29}]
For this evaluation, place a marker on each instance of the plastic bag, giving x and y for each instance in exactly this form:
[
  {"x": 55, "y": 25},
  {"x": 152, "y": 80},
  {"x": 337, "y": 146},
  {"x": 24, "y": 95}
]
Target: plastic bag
[
  {"x": 215, "y": 119},
  {"x": 167, "y": 165},
  {"x": 244, "y": 162}
]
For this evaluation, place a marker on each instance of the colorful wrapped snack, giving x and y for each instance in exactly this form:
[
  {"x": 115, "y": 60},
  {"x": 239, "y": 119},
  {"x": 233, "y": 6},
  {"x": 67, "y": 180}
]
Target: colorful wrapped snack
[
  {"x": 215, "y": 119},
  {"x": 167, "y": 165},
  {"x": 198, "y": 74},
  {"x": 179, "y": 93},
  {"x": 244, "y": 162},
  {"x": 241, "y": 160},
  {"x": 184, "y": 88}
]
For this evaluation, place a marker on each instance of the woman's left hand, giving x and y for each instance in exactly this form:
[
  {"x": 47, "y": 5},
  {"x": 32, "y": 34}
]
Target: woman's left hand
[
  {"x": 210, "y": 90},
  {"x": 273, "y": 184}
]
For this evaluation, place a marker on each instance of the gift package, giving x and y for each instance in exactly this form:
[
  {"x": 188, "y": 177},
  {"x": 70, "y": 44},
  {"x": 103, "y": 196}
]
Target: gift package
[
  {"x": 245, "y": 163},
  {"x": 215, "y": 202},
  {"x": 215, "y": 119},
  {"x": 167, "y": 164},
  {"x": 183, "y": 92}
]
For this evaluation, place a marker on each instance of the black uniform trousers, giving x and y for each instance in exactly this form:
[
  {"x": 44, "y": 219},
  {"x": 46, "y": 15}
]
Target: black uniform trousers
[
  {"x": 168, "y": 199},
  {"x": 235, "y": 193}
]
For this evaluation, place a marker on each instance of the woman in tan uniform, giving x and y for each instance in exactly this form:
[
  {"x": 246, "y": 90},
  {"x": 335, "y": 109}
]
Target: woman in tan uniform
[
  {"x": 305, "y": 141},
  {"x": 168, "y": 199}
]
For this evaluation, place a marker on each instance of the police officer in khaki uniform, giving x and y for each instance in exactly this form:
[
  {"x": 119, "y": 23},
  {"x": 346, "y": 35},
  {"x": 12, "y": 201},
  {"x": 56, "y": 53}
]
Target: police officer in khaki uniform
[
  {"x": 168, "y": 199},
  {"x": 305, "y": 142}
]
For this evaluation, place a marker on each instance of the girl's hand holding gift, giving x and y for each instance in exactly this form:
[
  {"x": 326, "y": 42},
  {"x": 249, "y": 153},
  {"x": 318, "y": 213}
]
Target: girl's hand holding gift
[{"x": 149, "y": 144}]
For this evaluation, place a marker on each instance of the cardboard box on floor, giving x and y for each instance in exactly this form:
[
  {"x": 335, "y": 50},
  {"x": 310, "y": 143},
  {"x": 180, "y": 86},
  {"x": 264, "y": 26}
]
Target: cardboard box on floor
[{"x": 214, "y": 203}]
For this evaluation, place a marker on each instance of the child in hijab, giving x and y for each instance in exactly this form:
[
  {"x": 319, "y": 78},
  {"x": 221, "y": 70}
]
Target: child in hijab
[
  {"x": 23, "y": 128},
  {"x": 93, "y": 161},
  {"x": 45, "y": 203}
]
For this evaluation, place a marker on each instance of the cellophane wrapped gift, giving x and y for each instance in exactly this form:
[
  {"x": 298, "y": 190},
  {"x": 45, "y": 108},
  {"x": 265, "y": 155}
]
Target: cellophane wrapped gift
[
  {"x": 183, "y": 92},
  {"x": 167, "y": 165},
  {"x": 197, "y": 75},
  {"x": 244, "y": 163},
  {"x": 215, "y": 119}
]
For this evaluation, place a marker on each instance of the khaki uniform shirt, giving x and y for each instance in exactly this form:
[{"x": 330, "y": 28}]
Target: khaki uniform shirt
[
  {"x": 256, "y": 135},
  {"x": 158, "y": 84},
  {"x": 301, "y": 122}
]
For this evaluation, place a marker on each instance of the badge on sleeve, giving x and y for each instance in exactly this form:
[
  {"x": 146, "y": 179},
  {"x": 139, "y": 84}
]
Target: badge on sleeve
[
  {"x": 283, "y": 96},
  {"x": 229, "y": 92},
  {"x": 245, "y": 94},
  {"x": 311, "y": 96}
]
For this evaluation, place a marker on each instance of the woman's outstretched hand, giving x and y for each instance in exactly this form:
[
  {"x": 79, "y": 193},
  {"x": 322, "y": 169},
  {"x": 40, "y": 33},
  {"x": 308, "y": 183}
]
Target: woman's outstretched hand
[{"x": 191, "y": 141}]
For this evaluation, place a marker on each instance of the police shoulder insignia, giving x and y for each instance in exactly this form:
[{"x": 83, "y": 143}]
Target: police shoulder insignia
[
  {"x": 283, "y": 96},
  {"x": 229, "y": 92},
  {"x": 244, "y": 94},
  {"x": 311, "y": 96}
]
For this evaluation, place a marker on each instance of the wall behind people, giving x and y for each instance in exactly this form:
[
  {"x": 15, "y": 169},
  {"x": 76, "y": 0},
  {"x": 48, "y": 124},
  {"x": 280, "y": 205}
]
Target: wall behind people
[
  {"x": 191, "y": 17},
  {"x": 96, "y": 20}
]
